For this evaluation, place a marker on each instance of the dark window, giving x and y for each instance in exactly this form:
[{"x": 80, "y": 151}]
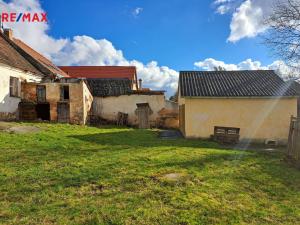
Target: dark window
[
  {"x": 14, "y": 87},
  {"x": 41, "y": 93},
  {"x": 64, "y": 93}
]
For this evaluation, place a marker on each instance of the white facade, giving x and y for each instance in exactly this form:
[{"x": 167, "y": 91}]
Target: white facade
[{"x": 8, "y": 104}]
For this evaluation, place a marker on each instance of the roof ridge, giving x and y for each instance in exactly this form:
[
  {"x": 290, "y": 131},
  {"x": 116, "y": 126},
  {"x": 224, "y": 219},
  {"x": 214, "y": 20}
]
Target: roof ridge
[
  {"x": 10, "y": 43},
  {"x": 18, "y": 40},
  {"x": 43, "y": 64}
]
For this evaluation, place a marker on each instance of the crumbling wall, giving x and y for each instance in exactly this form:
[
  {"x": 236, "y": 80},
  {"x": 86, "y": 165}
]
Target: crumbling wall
[
  {"x": 28, "y": 92},
  {"x": 7, "y": 116},
  {"x": 169, "y": 118},
  {"x": 80, "y": 100},
  {"x": 108, "y": 107},
  {"x": 76, "y": 103},
  {"x": 87, "y": 102},
  {"x": 52, "y": 97}
]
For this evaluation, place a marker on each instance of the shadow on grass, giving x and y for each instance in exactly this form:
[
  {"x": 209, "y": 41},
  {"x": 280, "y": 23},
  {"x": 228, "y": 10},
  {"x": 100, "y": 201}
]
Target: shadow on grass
[
  {"x": 257, "y": 167},
  {"x": 262, "y": 171},
  {"x": 142, "y": 138}
]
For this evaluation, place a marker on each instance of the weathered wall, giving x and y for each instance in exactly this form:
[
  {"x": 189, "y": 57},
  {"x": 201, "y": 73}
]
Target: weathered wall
[
  {"x": 87, "y": 102},
  {"x": 80, "y": 99},
  {"x": 76, "y": 101},
  {"x": 298, "y": 107},
  {"x": 28, "y": 92},
  {"x": 259, "y": 119},
  {"x": 169, "y": 116},
  {"x": 108, "y": 107},
  {"x": 9, "y": 105},
  {"x": 182, "y": 118}
]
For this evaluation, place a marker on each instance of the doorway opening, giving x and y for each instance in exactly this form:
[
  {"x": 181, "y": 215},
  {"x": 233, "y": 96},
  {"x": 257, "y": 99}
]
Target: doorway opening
[{"x": 43, "y": 111}]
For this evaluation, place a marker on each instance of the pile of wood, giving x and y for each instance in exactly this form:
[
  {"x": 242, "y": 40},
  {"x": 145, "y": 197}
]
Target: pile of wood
[
  {"x": 122, "y": 119},
  {"x": 98, "y": 120}
]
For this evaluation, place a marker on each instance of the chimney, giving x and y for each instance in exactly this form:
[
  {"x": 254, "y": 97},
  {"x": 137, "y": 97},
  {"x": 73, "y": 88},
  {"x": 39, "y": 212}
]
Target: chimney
[
  {"x": 140, "y": 84},
  {"x": 8, "y": 33}
]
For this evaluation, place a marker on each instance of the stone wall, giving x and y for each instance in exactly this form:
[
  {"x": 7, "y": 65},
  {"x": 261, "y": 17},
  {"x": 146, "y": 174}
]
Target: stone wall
[
  {"x": 80, "y": 99},
  {"x": 7, "y": 116},
  {"x": 76, "y": 101}
]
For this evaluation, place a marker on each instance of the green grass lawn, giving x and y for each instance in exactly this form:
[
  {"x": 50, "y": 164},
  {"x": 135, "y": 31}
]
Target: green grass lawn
[{"x": 83, "y": 175}]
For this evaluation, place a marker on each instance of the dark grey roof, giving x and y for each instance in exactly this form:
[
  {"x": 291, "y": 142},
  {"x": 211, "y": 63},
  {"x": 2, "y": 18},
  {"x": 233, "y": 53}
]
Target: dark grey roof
[
  {"x": 254, "y": 83},
  {"x": 103, "y": 87},
  {"x": 295, "y": 85}
]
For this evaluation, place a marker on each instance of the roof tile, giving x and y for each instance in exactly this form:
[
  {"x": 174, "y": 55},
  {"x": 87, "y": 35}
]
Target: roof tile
[{"x": 254, "y": 83}]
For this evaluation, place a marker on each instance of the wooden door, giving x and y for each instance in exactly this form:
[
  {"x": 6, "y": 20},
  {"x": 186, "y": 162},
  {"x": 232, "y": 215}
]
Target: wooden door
[
  {"x": 143, "y": 111},
  {"x": 63, "y": 112}
]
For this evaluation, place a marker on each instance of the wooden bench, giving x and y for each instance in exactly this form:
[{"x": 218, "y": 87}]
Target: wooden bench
[{"x": 227, "y": 135}]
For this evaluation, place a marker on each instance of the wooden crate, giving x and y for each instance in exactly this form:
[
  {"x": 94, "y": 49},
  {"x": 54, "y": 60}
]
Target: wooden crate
[{"x": 226, "y": 135}]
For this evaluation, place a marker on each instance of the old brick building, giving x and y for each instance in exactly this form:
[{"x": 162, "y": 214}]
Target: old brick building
[{"x": 32, "y": 87}]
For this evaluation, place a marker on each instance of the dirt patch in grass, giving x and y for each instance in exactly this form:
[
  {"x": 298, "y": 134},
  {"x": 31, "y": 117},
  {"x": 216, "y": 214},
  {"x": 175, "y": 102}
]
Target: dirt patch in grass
[
  {"x": 5, "y": 125},
  {"x": 173, "y": 176},
  {"x": 18, "y": 129}
]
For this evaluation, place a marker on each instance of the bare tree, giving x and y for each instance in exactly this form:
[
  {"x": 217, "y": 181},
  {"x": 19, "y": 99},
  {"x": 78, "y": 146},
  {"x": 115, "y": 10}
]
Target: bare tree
[
  {"x": 283, "y": 35},
  {"x": 219, "y": 68}
]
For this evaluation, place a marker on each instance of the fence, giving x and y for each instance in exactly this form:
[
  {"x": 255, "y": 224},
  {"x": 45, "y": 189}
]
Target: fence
[{"x": 294, "y": 140}]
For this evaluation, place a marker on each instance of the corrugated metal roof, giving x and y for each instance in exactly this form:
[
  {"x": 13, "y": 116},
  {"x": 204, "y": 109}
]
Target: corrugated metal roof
[
  {"x": 295, "y": 85},
  {"x": 248, "y": 83}
]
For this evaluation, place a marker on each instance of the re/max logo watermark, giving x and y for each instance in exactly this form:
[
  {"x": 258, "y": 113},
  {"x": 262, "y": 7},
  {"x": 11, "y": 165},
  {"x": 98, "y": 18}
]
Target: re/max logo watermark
[{"x": 23, "y": 17}]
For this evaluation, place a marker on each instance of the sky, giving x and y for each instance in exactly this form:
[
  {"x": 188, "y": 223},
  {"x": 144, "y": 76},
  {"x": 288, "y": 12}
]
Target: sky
[{"x": 159, "y": 37}]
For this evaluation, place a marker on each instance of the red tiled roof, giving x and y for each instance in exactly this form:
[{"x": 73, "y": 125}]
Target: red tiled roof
[
  {"x": 11, "y": 57},
  {"x": 39, "y": 58},
  {"x": 128, "y": 72}
]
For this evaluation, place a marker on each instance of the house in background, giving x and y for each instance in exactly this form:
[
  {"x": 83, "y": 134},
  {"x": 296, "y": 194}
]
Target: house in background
[
  {"x": 104, "y": 72},
  {"x": 257, "y": 103},
  {"x": 32, "y": 87},
  {"x": 116, "y": 92},
  {"x": 66, "y": 100},
  {"x": 14, "y": 69}
]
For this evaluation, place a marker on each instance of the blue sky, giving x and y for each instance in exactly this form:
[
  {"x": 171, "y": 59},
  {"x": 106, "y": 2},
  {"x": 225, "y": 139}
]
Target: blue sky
[
  {"x": 160, "y": 38},
  {"x": 176, "y": 33}
]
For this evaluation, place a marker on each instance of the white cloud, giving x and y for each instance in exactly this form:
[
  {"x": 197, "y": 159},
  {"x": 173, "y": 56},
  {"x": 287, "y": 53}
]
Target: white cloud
[
  {"x": 247, "y": 17},
  {"x": 222, "y": 9},
  {"x": 84, "y": 50},
  {"x": 211, "y": 64},
  {"x": 279, "y": 66},
  {"x": 137, "y": 11},
  {"x": 34, "y": 34}
]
